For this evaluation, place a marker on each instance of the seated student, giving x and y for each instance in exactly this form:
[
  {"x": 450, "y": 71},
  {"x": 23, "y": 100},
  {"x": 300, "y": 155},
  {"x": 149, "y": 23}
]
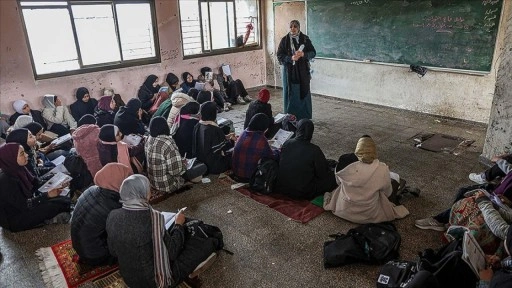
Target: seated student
[
  {"x": 147, "y": 92},
  {"x": 105, "y": 112},
  {"x": 150, "y": 255},
  {"x": 218, "y": 96},
  {"x": 89, "y": 221},
  {"x": 21, "y": 121},
  {"x": 128, "y": 118},
  {"x": 50, "y": 151},
  {"x": 303, "y": 170},
  {"x": 209, "y": 142},
  {"x": 163, "y": 104},
  {"x": 58, "y": 117},
  {"x": 188, "y": 82},
  {"x": 188, "y": 118},
  {"x": 85, "y": 140},
  {"x": 501, "y": 168},
  {"x": 27, "y": 140},
  {"x": 112, "y": 149},
  {"x": 178, "y": 101},
  {"x": 193, "y": 93},
  {"x": 22, "y": 206},
  {"x": 439, "y": 221},
  {"x": 365, "y": 185},
  {"x": 4, "y": 125},
  {"x": 22, "y": 108},
  {"x": 250, "y": 147},
  {"x": 83, "y": 105},
  {"x": 234, "y": 89},
  {"x": 261, "y": 105},
  {"x": 167, "y": 171}
]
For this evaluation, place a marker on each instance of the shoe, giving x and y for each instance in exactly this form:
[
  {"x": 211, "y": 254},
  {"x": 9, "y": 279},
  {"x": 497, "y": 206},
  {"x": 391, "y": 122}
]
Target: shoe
[
  {"x": 478, "y": 178},
  {"x": 203, "y": 266},
  {"x": 247, "y": 98},
  {"x": 240, "y": 100},
  {"x": 197, "y": 179},
  {"x": 429, "y": 224}
]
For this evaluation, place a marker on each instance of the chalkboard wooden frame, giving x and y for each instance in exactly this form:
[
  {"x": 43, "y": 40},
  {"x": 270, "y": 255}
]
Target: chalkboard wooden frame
[{"x": 449, "y": 35}]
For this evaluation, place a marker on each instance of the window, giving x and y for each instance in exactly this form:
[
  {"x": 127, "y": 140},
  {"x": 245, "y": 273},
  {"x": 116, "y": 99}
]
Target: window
[
  {"x": 71, "y": 37},
  {"x": 214, "y": 25}
]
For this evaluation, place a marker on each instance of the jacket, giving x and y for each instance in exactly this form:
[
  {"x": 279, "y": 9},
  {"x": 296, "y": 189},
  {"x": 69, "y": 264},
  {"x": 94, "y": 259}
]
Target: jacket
[
  {"x": 362, "y": 194},
  {"x": 37, "y": 116},
  {"x": 165, "y": 166},
  {"x": 256, "y": 107},
  {"x": 128, "y": 122},
  {"x": 59, "y": 115},
  {"x": 85, "y": 139},
  {"x": 210, "y": 146},
  {"x": 88, "y": 225}
]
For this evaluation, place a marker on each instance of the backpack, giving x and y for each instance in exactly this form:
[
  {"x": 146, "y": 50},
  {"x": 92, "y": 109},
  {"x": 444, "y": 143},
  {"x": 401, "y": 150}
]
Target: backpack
[
  {"x": 264, "y": 178},
  {"x": 368, "y": 243},
  {"x": 77, "y": 169}
]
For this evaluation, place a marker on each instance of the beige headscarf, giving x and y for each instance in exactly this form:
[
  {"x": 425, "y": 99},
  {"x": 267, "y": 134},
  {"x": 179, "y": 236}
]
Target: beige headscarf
[{"x": 366, "y": 151}]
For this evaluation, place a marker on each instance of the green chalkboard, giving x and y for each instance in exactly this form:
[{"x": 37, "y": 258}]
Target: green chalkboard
[{"x": 458, "y": 34}]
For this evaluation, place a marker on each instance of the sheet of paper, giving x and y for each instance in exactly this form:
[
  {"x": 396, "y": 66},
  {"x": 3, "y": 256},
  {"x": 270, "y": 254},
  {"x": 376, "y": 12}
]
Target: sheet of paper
[
  {"x": 62, "y": 139},
  {"x": 209, "y": 76},
  {"x": 281, "y": 136},
  {"x": 132, "y": 139},
  {"x": 55, "y": 182},
  {"x": 190, "y": 163},
  {"x": 59, "y": 160},
  {"x": 279, "y": 117},
  {"x": 199, "y": 86},
  {"x": 473, "y": 254},
  {"x": 226, "y": 70},
  {"x": 169, "y": 218}
]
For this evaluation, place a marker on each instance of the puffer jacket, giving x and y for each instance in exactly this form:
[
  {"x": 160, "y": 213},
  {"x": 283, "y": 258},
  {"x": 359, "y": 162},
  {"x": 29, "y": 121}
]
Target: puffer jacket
[
  {"x": 88, "y": 225},
  {"x": 85, "y": 139}
]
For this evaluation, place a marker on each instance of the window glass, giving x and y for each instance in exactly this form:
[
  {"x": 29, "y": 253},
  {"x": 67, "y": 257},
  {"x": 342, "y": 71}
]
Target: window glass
[
  {"x": 96, "y": 33},
  {"x": 223, "y": 32},
  {"x": 136, "y": 30},
  {"x": 51, "y": 40}
]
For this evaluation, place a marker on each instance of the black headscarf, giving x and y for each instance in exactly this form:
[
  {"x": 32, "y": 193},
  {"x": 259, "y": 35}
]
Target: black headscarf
[
  {"x": 34, "y": 128},
  {"x": 148, "y": 83},
  {"x": 79, "y": 108},
  {"x": 305, "y": 130},
  {"x": 209, "y": 111},
  {"x": 86, "y": 119},
  {"x": 204, "y": 96},
  {"x": 133, "y": 105},
  {"x": 158, "y": 126},
  {"x": 205, "y": 69},
  {"x": 108, "y": 133},
  {"x": 259, "y": 122},
  {"x": 184, "y": 77},
  {"x": 80, "y": 93},
  {"x": 193, "y": 92},
  {"x": 19, "y": 136},
  {"x": 190, "y": 108},
  {"x": 172, "y": 79}
]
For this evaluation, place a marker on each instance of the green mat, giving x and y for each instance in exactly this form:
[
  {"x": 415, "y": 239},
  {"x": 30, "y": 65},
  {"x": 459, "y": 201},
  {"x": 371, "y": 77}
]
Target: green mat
[{"x": 318, "y": 201}]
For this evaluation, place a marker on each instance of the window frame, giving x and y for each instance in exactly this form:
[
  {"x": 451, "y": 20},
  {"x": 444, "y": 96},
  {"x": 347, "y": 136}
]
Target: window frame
[
  {"x": 93, "y": 67},
  {"x": 221, "y": 51}
]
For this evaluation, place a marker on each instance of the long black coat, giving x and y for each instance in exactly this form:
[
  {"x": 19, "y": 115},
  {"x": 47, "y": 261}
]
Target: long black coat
[
  {"x": 88, "y": 225},
  {"x": 210, "y": 145},
  {"x": 256, "y": 107}
]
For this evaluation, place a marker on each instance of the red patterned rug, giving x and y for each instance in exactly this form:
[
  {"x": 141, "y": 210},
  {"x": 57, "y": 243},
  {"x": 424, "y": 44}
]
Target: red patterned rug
[
  {"x": 59, "y": 270},
  {"x": 301, "y": 211}
]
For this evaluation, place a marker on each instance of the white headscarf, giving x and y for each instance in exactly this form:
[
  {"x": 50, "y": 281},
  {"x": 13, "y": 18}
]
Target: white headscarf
[
  {"x": 22, "y": 121},
  {"x": 18, "y": 106}
]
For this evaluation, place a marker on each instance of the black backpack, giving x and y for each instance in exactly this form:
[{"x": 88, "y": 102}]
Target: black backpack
[
  {"x": 369, "y": 243},
  {"x": 264, "y": 178}
]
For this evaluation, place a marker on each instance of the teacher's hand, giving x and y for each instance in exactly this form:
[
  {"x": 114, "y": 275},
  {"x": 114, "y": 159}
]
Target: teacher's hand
[
  {"x": 295, "y": 57},
  {"x": 299, "y": 53}
]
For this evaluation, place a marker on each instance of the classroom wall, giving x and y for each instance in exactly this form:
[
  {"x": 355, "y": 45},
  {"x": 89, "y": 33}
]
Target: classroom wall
[
  {"x": 454, "y": 95},
  {"x": 17, "y": 79},
  {"x": 499, "y": 131}
]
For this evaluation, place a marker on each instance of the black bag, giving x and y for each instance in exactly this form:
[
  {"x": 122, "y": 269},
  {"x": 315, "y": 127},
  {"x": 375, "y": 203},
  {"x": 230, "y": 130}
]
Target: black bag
[
  {"x": 77, "y": 169},
  {"x": 264, "y": 178},
  {"x": 396, "y": 274},
  {"x": 197, "y": 228},
  {"x": 368, "y": 243}
]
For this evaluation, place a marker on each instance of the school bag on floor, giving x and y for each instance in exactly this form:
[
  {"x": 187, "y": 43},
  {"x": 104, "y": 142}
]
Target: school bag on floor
[
  {"x": 264, "y": 178},
  {"x": 373, "y": 243}
]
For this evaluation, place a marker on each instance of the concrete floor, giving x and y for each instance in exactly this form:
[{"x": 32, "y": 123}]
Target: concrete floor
[{"x": 269, "y": 249}]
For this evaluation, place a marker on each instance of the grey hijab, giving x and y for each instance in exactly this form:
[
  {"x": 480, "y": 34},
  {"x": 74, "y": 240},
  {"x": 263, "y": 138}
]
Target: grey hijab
[
  {"x": 49, "y": 101},
  {"x": 134, "y": 192}
]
